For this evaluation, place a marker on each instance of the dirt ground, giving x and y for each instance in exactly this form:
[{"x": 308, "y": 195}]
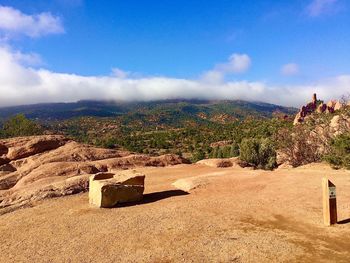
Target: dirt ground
[{"x": 235, "y": 215}]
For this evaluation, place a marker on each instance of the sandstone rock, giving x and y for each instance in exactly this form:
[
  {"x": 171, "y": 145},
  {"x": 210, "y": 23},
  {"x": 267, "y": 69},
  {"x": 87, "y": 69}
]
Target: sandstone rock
[
  {"x": 3, "y": 149},
  {"x": 311, "y": 107},
  {"x": 335, "y": 122},
  {"x": 189, "y": 184},
  {"x": 331, "y": 103},
  {"x": 4, "y": 161},
  {"x": 322, "y": 108},
  {"x": 165, "y": 160},
  {"x": 54, "y": 172},
  {"x": 8, "y": 180},
  {"x": 330, "y": 106},
  {"x": 338, "y": 106},
  {"x": 306, "y": 110},
  {"x": 339, "y": 124},
  {"x": 10, "y": 201},
  {"x": 7, "y": 168},
  {"x": 18, "y": 148},
  {"x": 108, "y": 189},
  {"x": 298, "y": 118}
]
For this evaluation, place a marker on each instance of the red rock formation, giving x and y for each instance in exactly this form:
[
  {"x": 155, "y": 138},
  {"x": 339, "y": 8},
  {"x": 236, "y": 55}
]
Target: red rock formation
[
  {"x": 338, "y": 105},
  {"x": 319, "y": 107},
  {"x": 306, "y": 110}
]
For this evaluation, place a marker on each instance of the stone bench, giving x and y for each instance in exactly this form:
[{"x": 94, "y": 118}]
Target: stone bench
[{"x": 109, "y": 189}]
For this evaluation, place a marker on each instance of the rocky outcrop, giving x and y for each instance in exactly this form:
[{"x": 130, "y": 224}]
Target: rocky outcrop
[
  {"x": 34, "y": 168},
  {"x": 339, "y": 124},
  {"x": 313, "y": 140},
  {"x": 18, "y": 148},
  {"x": 108, "y": 189},
  {"x": 319, "y": 107},
  {"x": 306, "y": 110}
]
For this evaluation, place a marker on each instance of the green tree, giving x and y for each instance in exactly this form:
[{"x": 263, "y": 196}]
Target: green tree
[
  {"x": 249, "y": 151},
  {"x": 220, "y": 154},
  {"x": 234, "y": 151},
  {"x": 19, "y": 125},
  {"x": 226, "y": 151},
  {"x": 214, "y": 153},
  {"x": 198, "y": 155},
  {"x": 339, "y": 155},
  {"x": 259, "y": 153}
]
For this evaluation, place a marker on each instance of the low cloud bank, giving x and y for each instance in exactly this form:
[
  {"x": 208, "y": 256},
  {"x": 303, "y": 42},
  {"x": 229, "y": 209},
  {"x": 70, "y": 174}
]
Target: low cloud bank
[{"x": 20, "y": 84}]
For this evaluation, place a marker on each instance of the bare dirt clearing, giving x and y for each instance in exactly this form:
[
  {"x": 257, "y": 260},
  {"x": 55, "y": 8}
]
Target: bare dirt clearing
[{"x": 234, "y": 215}]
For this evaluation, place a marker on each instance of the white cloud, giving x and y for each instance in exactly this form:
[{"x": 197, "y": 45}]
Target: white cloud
[
  {"x": 236, "y": 64},
  {"x": 119, "y": 73},
  {"x": 213, "y": 76},
  {"x": 290, "y": 69},
  {"x": 20, "y": 84},
  {"x": 30, "y": 59},
  {"x": 14, "y": 22},
  {"x": 319, "y": 7}
]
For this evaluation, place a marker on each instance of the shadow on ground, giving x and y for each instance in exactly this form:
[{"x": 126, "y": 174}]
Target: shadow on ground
[
  {"x": 154, "y": 197},
  {"x": 343, "y": 222}
]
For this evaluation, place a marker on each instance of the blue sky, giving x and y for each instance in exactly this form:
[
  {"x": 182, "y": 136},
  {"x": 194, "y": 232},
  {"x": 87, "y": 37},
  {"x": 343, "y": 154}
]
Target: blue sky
[{"x": 279, "y": 44}]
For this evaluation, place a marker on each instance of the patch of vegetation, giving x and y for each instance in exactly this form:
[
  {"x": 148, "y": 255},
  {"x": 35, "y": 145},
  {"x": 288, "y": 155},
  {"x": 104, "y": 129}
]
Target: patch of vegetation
[
  {"x": 299, "y": 145},
  {"x": 187, "y": 128},
  {"x": 192, "y": 140},
  {"x": 259, "y": 153},
  {"x": 339, "y": 155},
  {"x": 169, "y": 111},
  {"x": 321, "y": 136},
  {"x": 19, "y": 125}
]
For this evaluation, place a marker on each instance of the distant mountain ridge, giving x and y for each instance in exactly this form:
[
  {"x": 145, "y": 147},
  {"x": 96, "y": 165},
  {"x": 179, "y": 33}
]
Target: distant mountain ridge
[{"x": 202, "y": 109}]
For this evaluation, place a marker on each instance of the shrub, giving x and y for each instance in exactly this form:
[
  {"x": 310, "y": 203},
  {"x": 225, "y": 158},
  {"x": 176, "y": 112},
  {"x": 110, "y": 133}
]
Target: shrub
[
  {"x": 249, "y": 151},
  {"x": 214, "y": 153},
  {"x": 220, "y": 154},
  {"x": 259, "y": 153},
  {"x": 234, "y": 151},
  {"x": 226, "y": 151},
  {"x": 198, "y": 155},
  {"x": 109, "y": 143},
  {"x": 300, "y": 145},
  {"x": 339, "y": 155},
  {"x": 19, "y": 125}
]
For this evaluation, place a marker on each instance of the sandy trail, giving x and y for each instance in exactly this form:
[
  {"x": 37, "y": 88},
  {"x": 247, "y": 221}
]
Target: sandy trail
[{"x": 237, "y": 215}]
